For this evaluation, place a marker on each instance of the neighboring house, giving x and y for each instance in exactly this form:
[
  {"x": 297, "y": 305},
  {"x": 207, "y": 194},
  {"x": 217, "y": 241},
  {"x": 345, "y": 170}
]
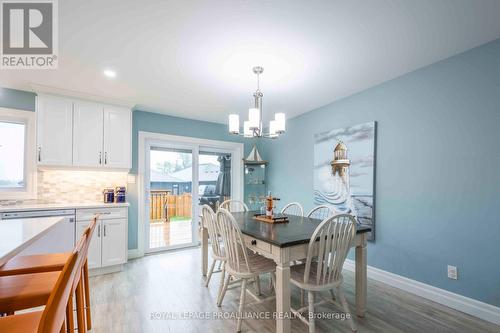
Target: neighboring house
[
  {"x": 163, "y": 181},
  {"x": 180, "y": 182}
]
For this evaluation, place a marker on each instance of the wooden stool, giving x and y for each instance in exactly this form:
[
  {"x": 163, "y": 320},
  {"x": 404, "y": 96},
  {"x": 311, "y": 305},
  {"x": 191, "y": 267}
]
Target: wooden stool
[
  {"x": 36, "y": 263},
  {"x": 27, "y": 288},
  {"x": 52, "y": 318}
]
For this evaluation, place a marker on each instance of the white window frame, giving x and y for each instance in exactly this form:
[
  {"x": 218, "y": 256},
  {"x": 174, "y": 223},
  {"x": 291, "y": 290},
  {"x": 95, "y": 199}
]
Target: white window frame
[{"x": 29, "y": 191}]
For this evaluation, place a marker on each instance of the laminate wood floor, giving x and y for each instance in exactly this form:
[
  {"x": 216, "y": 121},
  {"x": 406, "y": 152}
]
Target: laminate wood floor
[{"x": 158, "y": 293}]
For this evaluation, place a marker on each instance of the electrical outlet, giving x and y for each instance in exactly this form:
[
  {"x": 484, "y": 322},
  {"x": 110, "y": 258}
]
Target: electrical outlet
[{"x": 452, "y": 272}]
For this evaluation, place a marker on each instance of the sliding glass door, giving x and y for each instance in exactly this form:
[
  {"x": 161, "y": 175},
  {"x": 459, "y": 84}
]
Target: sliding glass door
[
  {"x": 214, "y": 175},
  {"x": 170, "y": 198},
  {"x": 179, "y": 178}
]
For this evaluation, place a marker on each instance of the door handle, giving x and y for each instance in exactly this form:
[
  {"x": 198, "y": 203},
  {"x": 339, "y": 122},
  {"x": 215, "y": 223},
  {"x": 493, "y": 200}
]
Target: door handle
[
  {"x": 104, "y": 230},
  {"x": 39, "y": 154},
  {"x": 100, "y": 158},
  {"x": 105, "y": 157},
  {"x": 99, "y": 231}
]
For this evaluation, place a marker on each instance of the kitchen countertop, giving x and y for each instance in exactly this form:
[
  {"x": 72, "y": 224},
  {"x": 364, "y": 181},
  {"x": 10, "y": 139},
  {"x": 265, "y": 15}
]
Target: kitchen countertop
[
  {"x": 18, "y": 234},
  {"x": 51, "y": 206}
]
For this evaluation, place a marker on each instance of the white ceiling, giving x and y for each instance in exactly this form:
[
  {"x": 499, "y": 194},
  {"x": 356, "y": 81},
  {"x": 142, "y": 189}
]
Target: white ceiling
[{"x": 193, "y": 59}]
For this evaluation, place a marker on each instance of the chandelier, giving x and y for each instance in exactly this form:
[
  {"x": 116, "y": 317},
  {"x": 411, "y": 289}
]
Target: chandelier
[{"x": 252, "y": 128}]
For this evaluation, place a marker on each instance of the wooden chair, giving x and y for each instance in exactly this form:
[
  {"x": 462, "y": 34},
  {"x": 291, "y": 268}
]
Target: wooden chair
[
  {"x": 208, "y": 218},
  {"x": 234, "y": 206},
  {"x": 41, "y": 263},
  {"x": 26, "y": 289},
  {"x": 331, "y": 242},
  {"x": 293, "y": 208},
  {"x": 52, "y": 318},
  {"x": 240, "y": 262},
  {"x": 320, "y": 212},
  {"x": 81, "y": 289}
]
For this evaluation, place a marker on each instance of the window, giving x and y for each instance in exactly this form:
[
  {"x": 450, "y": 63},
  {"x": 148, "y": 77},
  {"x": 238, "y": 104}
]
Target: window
[
  {"x": 17, "y": 154},
  {"x": 12, "y": 155}
]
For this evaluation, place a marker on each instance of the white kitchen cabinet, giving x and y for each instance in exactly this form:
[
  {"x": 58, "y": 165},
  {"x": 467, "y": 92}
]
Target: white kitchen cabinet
[
  {"x": 117, "y": 137},
  {"x": 88, "y": 134},
  {"x": 108, "y": 246},
  {"x": 54, "y": 130},
  {"x": 114, "y": 251},
  {"x": 94, "y": 253},
  {"x": 80, "y": 133}
]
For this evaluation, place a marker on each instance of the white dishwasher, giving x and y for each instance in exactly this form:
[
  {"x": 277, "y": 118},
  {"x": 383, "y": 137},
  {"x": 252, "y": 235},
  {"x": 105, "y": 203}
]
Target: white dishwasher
[{"x": 61, "y": 238}]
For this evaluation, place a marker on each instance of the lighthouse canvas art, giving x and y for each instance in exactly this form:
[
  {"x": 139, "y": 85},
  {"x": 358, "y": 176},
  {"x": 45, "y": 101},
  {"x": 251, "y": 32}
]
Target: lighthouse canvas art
[{"x": 344, "y": 162}]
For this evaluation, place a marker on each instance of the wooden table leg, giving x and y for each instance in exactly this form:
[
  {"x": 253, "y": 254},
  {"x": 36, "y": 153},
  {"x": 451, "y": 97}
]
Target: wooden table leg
[
  {"x": 283, "y": 297},
  {"x": 361, "y": 276},
  {"x": 204, "y": 251}
]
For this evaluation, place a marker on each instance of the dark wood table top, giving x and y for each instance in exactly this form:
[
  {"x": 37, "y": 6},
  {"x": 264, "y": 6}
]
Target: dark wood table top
[{"x": 297, "y": 231}]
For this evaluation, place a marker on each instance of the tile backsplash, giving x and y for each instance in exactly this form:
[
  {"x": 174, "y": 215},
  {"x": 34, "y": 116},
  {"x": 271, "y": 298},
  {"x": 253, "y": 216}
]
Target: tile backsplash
[{"x": 69, "y": 186}]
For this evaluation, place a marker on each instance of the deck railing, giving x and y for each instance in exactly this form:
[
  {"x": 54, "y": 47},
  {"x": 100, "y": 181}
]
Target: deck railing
[{"x": 164, "y": 205}]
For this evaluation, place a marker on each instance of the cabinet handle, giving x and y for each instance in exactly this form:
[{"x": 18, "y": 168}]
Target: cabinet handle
[
  {"x": 106, "y": 157},
  {"x": 39, "y": 154},
  {"x": 100, "y": 158},
  {"x": 104, "y": 230},
  {"x": 98, "y": 231}
]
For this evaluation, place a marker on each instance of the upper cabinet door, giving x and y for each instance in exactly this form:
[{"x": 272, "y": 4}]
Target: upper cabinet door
[
  {"x": 88, "y": 134},
  {"x": 54, "y": 130},
  {"x": 117, "y": 137}
]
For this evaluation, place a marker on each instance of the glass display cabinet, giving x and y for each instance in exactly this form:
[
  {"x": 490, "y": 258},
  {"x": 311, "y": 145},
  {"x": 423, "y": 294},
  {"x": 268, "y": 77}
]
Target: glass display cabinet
[
  {"x": 255, "y": 180},
  {"x": 255, "y": 184}
]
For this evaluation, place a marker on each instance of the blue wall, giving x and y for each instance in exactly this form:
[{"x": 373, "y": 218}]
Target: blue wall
[
  {"x": 437, "y": 170},
  {"x": 17, "y": 99}
]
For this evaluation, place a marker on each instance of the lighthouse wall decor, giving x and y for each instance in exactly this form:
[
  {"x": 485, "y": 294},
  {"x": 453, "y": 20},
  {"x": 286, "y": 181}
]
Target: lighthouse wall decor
[{"x": 344, "y": 170}]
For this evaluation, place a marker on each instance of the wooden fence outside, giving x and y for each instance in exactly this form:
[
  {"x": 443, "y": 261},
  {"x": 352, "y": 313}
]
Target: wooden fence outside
[{"x": 164, "y": 205}]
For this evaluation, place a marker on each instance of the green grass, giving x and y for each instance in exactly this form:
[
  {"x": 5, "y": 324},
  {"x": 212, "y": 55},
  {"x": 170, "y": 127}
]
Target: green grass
[{"x": 179, "y": 218}]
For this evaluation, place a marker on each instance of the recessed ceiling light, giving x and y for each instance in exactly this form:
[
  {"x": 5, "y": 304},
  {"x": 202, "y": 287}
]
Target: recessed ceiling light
[{"x": 110, "y": 73}]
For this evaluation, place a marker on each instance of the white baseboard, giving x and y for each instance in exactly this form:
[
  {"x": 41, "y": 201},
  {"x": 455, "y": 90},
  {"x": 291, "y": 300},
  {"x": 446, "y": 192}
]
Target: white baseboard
[
  {"x": 458, "y": 302},
  {"x": 134, "y": 253},
  {"x": 105, "y": 270}
]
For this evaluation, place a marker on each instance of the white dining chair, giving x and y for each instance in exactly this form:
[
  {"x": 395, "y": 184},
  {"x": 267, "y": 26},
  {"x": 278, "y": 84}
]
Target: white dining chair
[
  {"x": 240, "y": 263},
  {"x": 320, "y": 212},
  {"x": 208, "y": 218},
  {"x": 331, "y": 241},
  {"x": 234, "y": 206},
  {"x": 293, "y": 208}
]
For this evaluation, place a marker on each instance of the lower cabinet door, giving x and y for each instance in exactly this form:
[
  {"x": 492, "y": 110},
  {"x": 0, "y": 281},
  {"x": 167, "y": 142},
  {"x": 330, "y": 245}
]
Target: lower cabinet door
[
  {"x": 114, "y": 242},
  {"x": 94, "y": 254}
]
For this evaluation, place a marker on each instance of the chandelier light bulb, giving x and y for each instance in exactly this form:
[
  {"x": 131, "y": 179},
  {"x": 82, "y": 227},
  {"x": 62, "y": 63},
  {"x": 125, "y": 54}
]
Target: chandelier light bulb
[
  {"x": 234, "y": 124},
  {"x": 247, "y": 132},
  {"x": 254, "y": 118},
  {"x": 280, "y": 123}
]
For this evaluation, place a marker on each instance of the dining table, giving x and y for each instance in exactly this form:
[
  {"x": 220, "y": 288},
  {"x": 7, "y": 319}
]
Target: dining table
[{"x": 285, "y": 243}]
